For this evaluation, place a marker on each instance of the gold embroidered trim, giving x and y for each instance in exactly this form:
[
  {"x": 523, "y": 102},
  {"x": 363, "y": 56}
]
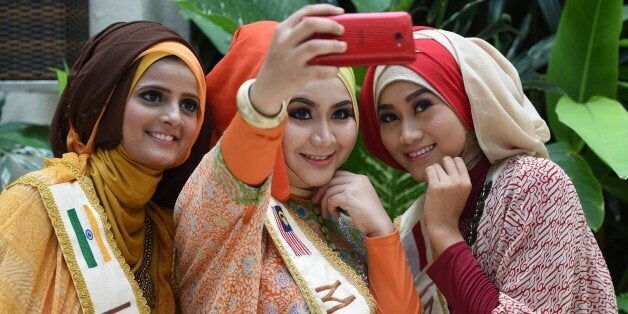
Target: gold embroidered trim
[
  {"x": 432, "y": 253},
  {"x": 88, "y": 188},
  {"x": 397, "y": 223},
  {"x": 344, "y": 269},
  {"x": 310, "y": 298},
  {"x": 64, "y": 241}
]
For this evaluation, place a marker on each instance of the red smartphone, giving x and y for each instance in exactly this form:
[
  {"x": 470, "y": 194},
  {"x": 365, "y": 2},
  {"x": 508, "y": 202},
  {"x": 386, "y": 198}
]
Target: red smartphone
[{"x": 372, "y": 39}]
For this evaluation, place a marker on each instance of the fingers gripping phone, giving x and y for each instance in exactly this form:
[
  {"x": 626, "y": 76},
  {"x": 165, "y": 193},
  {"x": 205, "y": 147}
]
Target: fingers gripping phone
[{"x": 372, "y": 39}]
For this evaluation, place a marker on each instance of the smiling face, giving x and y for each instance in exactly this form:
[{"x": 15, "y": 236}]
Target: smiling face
[
  {"x": 320, "y": 133},
  {"x": 164, "y": 96},
  {"x": 417, "y": 127}
]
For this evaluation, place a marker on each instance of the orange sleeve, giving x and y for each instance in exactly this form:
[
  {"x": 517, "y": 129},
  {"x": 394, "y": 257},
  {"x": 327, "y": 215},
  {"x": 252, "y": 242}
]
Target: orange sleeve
[
  {"x": 250, "y": 152},
  {"x": 389, "y": 276}
]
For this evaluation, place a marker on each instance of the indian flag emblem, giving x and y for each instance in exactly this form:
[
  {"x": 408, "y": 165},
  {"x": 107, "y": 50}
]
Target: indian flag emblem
[{"x": 88, "y": 235}]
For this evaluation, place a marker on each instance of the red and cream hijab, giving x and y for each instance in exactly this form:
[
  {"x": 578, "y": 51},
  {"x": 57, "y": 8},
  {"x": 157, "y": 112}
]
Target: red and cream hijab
[{"x": 481, "y": 85}]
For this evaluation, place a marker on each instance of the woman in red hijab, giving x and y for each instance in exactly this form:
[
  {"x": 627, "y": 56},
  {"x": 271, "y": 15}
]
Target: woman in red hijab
[{"x": 500, "y": 228}]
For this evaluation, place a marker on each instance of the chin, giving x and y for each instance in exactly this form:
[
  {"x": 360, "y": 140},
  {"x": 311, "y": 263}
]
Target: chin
[
  {"x": 418, "y": 175},
  {"x": 161, "y": 163},
  {"x": 319, "y": 179}
]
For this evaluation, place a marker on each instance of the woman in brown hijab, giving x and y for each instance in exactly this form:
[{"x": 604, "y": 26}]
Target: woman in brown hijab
[{"x": 83, "y": 234}]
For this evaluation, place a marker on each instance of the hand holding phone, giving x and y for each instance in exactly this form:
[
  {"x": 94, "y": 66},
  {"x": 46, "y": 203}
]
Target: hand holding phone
[{"x": 372, "y": 39}]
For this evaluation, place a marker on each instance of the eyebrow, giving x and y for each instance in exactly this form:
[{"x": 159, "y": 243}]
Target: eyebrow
[
  {"x": 313, "y": 104},
  {"x": 165, "y": 90},
  {"x": 408, "y": 99}
]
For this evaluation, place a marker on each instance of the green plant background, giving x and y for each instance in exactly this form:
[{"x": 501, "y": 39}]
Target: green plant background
[{"x": 573, "y": 64}]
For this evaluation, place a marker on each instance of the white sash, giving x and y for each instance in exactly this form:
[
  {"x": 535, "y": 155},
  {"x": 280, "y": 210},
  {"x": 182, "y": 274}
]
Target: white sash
[
  {"x": 432, "y": 299},
  {"x": 103, "y": 281},
  {"x": 328, "y": 284}
]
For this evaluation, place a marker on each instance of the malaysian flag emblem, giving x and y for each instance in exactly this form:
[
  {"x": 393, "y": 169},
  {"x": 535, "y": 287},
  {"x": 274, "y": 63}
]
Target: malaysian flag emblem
[{"x": 288, "y": 234}]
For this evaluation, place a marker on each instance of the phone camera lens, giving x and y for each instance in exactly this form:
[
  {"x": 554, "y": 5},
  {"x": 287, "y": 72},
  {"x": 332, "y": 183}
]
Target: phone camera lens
[{"x": 398, "y": 36}]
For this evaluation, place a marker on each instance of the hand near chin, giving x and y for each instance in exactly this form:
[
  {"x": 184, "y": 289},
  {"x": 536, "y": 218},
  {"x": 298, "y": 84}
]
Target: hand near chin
[
  {"x": 355, "y": 194},
  {"x": 448, "y": 187},
  {"x": 285, "y": 70}
]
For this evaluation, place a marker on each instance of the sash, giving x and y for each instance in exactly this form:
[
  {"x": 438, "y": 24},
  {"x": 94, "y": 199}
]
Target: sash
[
  {"x": 328, "y": 284},
  {"x": 103, "y": 281},
  {"x": 432, "y": 299}
]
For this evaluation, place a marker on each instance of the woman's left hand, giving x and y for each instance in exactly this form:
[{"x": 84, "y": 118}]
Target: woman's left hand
[{"x": 355, "y": 194}]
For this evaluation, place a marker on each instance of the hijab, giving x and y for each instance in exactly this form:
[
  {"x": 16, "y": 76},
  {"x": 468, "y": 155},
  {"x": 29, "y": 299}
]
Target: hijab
[
  {"x": 241, "y": 63},
  {"x": 88, "y": 123},
  {"x": 481, "y": 86}
]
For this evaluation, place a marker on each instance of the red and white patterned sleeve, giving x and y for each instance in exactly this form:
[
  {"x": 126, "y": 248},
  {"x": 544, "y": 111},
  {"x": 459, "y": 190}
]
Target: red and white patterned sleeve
[{"x": 536, "y": 246}]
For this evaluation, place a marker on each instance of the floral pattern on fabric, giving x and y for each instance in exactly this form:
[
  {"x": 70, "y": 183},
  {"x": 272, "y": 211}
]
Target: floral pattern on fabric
[{"x": 226, "y": 265}]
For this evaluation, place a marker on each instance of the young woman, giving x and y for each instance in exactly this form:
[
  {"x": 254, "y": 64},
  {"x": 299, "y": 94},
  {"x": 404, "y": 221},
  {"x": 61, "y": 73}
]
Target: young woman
[
  {"x": 82, "y": 235},
  {"x": 500, "y": 227},
  {"x": 248, "y": 237}
]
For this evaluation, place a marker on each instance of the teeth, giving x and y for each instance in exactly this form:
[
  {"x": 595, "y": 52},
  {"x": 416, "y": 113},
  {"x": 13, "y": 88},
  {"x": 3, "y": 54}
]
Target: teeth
[
  {"x": 160, "y": 136},
  {"x": 314, "y": 157},
  {"x": 422, "y": 151}
]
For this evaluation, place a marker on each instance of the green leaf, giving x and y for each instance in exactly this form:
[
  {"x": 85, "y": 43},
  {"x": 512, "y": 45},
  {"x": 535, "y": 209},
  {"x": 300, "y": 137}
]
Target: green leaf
[
  {"x": 371, "y": 5},
  {"x": 605, "y": 175},
  {"x": 601, "y": 122},
  {"x": 502, "y": 25},
  {"x": 521, "y": 35},
  {"x": 551, "y": 12},
  {"x": 23, "y": 134},
  {"x": 218, "y": 20},
  {"x": 534, "y": 58},
  {"x": 622, "y": 302},
  {"x": 540, "y": 85},
  {"x": 588, "y": 188},
  {"x": 436, "y": 13},
  {"x": 216, "y": 34},
  {"x": 495, "y": 10},
  {"x": 401, "y": 5},
  {"x": 463, "y": 18},
  {"x": 585, "y": 56}
]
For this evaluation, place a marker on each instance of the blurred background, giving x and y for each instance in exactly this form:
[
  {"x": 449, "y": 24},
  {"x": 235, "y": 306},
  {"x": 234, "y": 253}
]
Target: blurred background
[{"x": 572, "y": 57}]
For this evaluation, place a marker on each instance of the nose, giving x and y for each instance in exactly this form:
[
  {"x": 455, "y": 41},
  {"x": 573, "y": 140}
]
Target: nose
[
  {"x": 171, "y": 115},
  {"x": 322, "y": 135},
  {"x": 410, "y": 132}
]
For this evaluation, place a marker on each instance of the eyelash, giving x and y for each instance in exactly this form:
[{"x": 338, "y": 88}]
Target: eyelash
[
  {"x": 418, "y": 107},
  {"x": 345, "y": 114},
  {"x": 188, "y": 105},
  {"x": 150, "y": 95}
]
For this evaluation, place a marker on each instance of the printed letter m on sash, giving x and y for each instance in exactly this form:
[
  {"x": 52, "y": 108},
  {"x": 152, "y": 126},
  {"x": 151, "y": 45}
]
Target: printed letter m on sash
[{"x": 330, "y": 296}]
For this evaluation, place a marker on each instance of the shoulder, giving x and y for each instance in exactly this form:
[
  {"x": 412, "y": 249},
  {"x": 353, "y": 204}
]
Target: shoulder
[
  {"x": 22, "y": 211},
  {"x": 534, "y": 189},
  {"x": 55, "y": 172},
  {"x": 526, "y": 172}
]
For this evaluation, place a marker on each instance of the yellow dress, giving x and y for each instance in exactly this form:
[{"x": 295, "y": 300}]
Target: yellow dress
[{"x": 34, "y": 276}]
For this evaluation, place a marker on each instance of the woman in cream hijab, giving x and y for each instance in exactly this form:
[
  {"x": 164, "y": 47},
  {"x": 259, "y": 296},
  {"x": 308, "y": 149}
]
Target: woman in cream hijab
[
  {"x": 82, "y": 234},
  {"x": 500, "y": 227}
]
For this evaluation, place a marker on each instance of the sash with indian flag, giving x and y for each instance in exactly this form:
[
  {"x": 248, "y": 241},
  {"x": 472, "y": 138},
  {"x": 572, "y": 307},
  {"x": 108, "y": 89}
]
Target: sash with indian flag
[
  {"x": 327, "y": 283},
  {"x": 103, "y": 280}
]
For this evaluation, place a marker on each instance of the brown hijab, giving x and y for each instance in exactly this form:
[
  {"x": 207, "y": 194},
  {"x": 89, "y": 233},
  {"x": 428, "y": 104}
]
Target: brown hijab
[{"x": 102, "y": 77}]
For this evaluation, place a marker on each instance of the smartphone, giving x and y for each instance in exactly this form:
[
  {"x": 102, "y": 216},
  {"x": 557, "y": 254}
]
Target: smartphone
[{"x": 372, "y": 39}]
